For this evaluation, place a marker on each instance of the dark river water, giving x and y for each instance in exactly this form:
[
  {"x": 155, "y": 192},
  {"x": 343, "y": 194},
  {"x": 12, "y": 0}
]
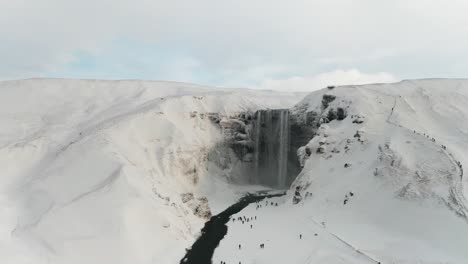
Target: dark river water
[{"x": 215, "y": 229}]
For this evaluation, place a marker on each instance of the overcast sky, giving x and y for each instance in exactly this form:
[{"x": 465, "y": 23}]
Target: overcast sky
[{"x": 294, "y": 44}]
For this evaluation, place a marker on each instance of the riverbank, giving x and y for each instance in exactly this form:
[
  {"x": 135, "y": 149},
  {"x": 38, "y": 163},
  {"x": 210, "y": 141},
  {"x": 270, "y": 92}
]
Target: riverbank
[{"x": 215, "y": 229}]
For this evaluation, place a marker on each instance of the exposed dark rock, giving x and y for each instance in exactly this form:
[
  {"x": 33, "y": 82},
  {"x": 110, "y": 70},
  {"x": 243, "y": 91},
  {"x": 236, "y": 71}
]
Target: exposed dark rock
[
  {"x": 235, "y": 125},
  {"x": 332, "y": 115},
  {"x": 297, "y": 198},
  {"x": 327, "y": 99},
  {"x": 308, "y": 151},
  {"x": 199, "y": 206},
  {"x": 202, "y": 209},
  {"x": 321, "y": 150},
  {"x": 357, "y": 135},
  {"x": 214, "y": 117},
  {"x": 186, "y": 197},
  {"x": 358, "y": 120},
  {"x": 340, "y": 113}
]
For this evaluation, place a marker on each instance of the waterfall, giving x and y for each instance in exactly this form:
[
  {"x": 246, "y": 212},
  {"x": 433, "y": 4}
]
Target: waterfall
[
  {"x": 255, "y": 178},
  {"x": 283, "y": 148},
  {"x": 271, "y": 148}
]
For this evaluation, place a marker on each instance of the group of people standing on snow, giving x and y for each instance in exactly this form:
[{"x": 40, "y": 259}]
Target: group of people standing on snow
[
  {"x": 258, "y": 205},
  {"x": 245, "y": 219}
]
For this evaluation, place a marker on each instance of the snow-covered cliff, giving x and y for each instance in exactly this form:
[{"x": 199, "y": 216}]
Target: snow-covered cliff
[
  {"x": 128, "y": 171},
  {"x": 113, "y": 171}
]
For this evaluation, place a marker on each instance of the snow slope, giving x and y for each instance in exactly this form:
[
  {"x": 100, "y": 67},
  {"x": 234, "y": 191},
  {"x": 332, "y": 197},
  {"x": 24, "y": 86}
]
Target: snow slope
[
  {"x": 408, "y": 200},
  {"x": 93, "y": 171},
  {"x": 119, "y": 172}
]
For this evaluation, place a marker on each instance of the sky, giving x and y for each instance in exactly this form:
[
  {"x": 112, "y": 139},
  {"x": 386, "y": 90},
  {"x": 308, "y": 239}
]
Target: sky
[{"x": 266, "y": 44}]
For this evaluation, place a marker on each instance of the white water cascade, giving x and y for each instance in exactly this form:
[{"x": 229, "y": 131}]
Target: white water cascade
[
  {"x": 283, "y": 148},
  {"x": 272, "y": 144}
]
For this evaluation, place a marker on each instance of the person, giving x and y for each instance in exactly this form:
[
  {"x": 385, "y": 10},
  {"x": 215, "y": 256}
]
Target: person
[
  {"x": 239, "y": 246},
  {"x": 300, "y": 236},
  {"x": 250, "y": 226},
  {"x": 255, "y": 217}
]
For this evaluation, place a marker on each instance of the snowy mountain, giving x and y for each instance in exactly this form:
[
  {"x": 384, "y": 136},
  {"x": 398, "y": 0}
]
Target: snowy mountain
[
  {"x": 112, "y": 171},
  {"x": 128, "y": 172},
  {"x": 385, "y": 184}
]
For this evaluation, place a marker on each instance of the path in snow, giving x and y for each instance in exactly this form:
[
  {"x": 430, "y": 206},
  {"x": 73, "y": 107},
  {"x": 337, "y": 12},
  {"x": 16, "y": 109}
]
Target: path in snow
[
  {"x": 457, "y": 196},
  {"x": 214, "y": 230}
]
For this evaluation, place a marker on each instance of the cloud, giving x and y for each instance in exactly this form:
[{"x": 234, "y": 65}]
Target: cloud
[
  {"x": 322, "y": 80},
  {"x": 223, "y": 41}
]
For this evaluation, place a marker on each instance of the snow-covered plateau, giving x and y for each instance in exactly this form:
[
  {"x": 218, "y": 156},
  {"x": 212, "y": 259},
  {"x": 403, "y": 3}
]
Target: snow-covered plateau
[{"x": 129, "y": 172}]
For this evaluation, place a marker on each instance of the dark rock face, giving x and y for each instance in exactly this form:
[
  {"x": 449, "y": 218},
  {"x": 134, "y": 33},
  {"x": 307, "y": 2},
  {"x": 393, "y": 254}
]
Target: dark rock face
[
  {"x": 297, "y": 198},
  {"x": 308, "y": 151},
  {"x": 340, "y": 114},
  {"x": 264, "y": 144},
  {"x": 332, "y": 115},
  {"x": 327, "y": 99},
  {"x": 236, "y": 131},
  {"x": 199, "y": 205}
]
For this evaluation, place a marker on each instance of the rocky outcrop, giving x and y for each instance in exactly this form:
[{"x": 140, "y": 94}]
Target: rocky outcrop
[
  {"x": 198, "y": 205},
  {"x": 330, "y": 109},
  {"x": 297, "y": 198},
  {"x": 327, "y": 99},
  {"x": 266, "y": 144}
]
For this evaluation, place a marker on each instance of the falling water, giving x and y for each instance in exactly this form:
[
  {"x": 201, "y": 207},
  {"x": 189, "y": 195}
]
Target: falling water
[
  {"x": 283, "y": 148},
  {"x": 255, "y": 178},
  {"x": 271, "y": 148}
]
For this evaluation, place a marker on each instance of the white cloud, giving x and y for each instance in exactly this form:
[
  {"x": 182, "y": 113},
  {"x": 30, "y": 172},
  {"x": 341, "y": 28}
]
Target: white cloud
[
  {"x": 230, "y": 36},
  {"x": 339, "y": 77}
]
